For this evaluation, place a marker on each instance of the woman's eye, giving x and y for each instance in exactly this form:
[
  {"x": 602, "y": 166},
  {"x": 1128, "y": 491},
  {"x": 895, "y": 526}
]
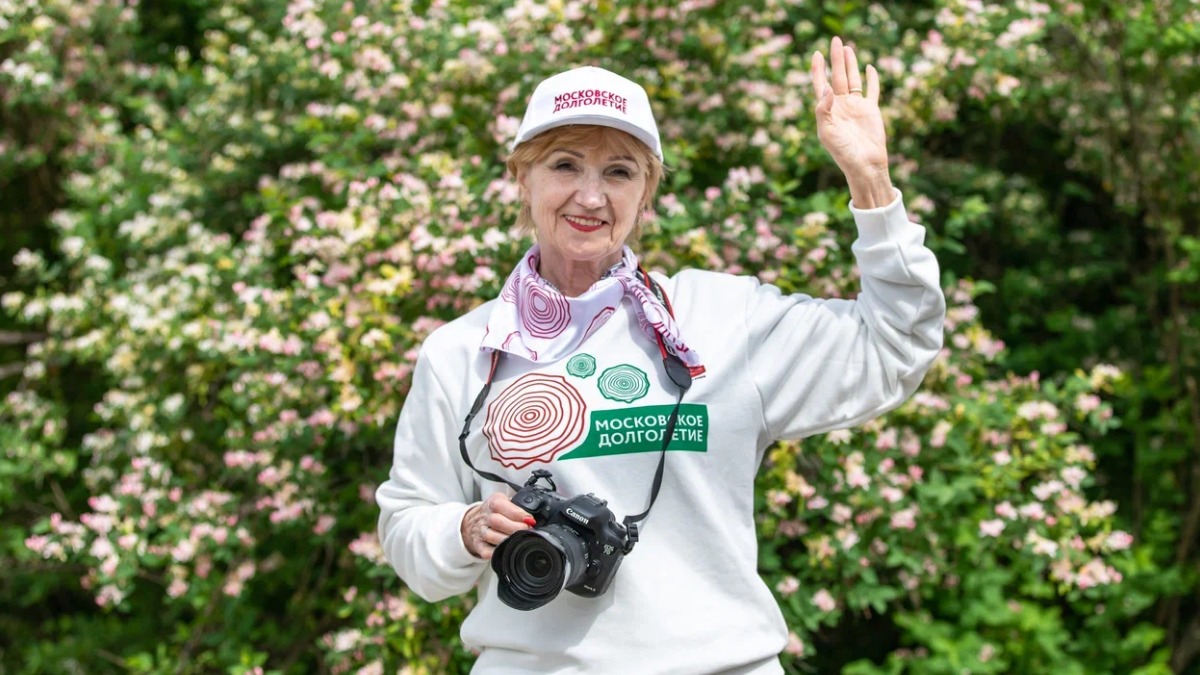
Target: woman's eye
[
  {"x": 622, "y": 172},
  {"x": 564, "y": 166}
]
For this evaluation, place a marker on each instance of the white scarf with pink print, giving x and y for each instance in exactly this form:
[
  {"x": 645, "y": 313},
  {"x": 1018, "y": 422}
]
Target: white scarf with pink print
[{"x": 534, "y": 321}]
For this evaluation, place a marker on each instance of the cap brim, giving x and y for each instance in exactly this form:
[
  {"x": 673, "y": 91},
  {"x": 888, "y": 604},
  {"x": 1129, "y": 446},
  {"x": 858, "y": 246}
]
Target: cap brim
[{"x": 599, "y": 120}]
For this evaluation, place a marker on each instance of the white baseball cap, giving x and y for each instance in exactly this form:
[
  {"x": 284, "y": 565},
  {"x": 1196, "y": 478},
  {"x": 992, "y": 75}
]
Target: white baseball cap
[{"x": 590, "y": 95}]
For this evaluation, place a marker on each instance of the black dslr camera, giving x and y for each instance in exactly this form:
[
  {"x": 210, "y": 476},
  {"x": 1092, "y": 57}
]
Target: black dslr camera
[{"x": 577, "y": 544}]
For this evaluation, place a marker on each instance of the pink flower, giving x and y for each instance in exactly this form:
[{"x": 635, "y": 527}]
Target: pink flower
[
  {"x": 1073, "y": 476},
  {"x": 787, "y": 586},
  {"x": 233, "y": 587},
  {"x": 986, "y": 652},
  {"x": 824, "y": 601},
  {"x": 270, "y": 477},
  {"x": 1042, "y": 545},
  {"x": 792, "y": 529},
  {"x": 795, "y": 646},
  {"x": 323, "y": 417},
  {"x": 937, "y": 438},
  {"x": 1044, "y": 491},
  {"x": 1119, "y": 540},
  {"x": 1086, "y": 403},
  {"x": 841, "y": 513},
  {"x": 1053, "y": 428},
  {"x": 109, "y": 596},
  {"x": 37, "y": 543},
  {"x": 857, "y": 478},
  {"x": 104, "y": 504},
  {"x": 1033, "y": 511},
  {"x": 991, "y": 528},
  {"x": 1006, "y": 510},
  {"x": 324, "y": 524},
  {"x": 847, "y": 538},
  {"x": 886, "y": 440},
  {"x": 905, "y": 519},
  {"x": 777, "y": 499},
  {"x": 1096, "y": 573},
  {"x": 1034, "y": 410}
]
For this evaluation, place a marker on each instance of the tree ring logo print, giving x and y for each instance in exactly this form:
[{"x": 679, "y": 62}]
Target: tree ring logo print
[
  {"x": 547, "y": 314},
  {"x": 581, "y": 365},
  {"x": 533, "y": 420},
  {"x": 623, "y": 383}
]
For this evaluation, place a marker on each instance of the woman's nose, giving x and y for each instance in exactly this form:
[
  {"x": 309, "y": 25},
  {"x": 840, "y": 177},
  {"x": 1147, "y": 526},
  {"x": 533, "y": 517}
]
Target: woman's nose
[{"x": 591, "y": 193}]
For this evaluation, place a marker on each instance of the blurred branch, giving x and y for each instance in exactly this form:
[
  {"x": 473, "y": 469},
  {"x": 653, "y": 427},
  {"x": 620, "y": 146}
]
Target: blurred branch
[
  {"x": 9, "y": 369},
  {"x": 8, "y": 337},
  {"x": 60, "y": 500},
  {"x": 1189, "y": 647},
  {"x": 1191, "y": 524}
]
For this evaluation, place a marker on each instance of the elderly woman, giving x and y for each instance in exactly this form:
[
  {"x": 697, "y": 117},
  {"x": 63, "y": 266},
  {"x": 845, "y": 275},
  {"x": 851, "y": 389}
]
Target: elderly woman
[{"x": 622, "y": 416}]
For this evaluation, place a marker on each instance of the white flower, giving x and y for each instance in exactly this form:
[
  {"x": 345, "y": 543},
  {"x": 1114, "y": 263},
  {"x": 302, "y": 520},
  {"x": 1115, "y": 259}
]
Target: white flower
[
  {"x": 1044, "y": 491},
  {"x": 28, "y": 260},
  {"x": 72, "y": 246},
  {"x": 839, "y": 436},
  {"x": 1042, "y": 545}
]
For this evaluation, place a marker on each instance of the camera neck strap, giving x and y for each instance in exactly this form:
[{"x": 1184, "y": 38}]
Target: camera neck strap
[
  {"x": 475, "y": 407},
  {"x": 677, "y": 371}
]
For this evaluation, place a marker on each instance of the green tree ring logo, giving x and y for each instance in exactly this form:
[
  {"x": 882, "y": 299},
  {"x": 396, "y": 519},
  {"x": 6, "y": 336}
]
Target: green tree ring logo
[
  {"x": 623, "y": 383},
  {"x": 581, "y": 365}
]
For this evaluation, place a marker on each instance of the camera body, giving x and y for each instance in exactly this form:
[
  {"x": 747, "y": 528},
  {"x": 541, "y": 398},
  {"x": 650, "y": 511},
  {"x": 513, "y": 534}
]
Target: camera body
[{"x": 577, "y": 544}]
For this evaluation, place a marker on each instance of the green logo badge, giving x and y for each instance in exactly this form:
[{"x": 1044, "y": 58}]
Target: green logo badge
[
  {"x": 623, "y": 383},
  {"x": 581, "y": 365},
  {"x": 627, "y": 430}
]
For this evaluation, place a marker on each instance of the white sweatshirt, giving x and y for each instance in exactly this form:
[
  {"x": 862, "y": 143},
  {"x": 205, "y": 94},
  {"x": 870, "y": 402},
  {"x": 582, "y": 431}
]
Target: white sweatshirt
[{"x": 688, "y": 598}]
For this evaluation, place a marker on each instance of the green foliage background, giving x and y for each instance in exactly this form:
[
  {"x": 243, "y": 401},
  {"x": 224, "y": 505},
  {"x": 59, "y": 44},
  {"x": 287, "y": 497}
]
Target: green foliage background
[{"x": 227, "y": 225}]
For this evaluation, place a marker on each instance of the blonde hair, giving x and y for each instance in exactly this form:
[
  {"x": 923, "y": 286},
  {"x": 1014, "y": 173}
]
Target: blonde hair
[{"x": 589, "y": 136}]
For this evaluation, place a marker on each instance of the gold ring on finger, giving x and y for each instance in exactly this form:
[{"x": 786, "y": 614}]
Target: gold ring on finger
[{"x": 856, "y": 90}]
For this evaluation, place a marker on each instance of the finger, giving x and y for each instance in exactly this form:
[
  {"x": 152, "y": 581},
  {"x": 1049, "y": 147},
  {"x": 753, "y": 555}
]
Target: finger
[
  {"x": 493, "y": 537},
  {"x": 513, "y": 513},
  {"x": 837, "y": 63},
  {"x": 825, "y": 104},
  {"x": 853, "y": 78},
  {"x": 818, "y": 75},
  {"x": 498, "y": 522},
  {"x": 485, "y": 548},
  {"x": 873, "y": 84}
]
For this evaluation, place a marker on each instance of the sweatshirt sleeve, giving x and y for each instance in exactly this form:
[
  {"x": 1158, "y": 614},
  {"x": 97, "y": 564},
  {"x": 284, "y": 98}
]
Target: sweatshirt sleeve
[
  {"x": 427, "y": 492},
  {"x": 820, "y": 365}
]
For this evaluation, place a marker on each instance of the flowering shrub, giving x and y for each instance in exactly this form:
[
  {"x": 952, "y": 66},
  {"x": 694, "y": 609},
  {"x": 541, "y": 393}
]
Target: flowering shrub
[{"x": 258, "y": 233}]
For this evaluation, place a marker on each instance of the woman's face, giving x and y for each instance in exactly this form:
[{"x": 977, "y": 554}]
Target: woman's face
[{"x": 584, "y": 203}]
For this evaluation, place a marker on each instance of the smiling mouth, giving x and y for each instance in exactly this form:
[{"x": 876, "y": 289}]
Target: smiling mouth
[{"x": 584, "y": 223}]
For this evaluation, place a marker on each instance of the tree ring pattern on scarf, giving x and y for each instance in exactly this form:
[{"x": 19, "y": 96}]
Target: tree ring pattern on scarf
[{"x": 547, "y": 313}]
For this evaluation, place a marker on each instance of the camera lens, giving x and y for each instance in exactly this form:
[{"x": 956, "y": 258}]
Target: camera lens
[
  {"x": 533, "y": 566},
  {"x": 539, "y": 564}
]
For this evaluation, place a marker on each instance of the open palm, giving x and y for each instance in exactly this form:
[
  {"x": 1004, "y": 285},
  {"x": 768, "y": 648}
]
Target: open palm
[{"x": 849, "y": 122}]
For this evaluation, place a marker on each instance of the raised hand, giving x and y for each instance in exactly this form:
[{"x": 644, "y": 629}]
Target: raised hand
[{"x": 850, "y": 124}]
